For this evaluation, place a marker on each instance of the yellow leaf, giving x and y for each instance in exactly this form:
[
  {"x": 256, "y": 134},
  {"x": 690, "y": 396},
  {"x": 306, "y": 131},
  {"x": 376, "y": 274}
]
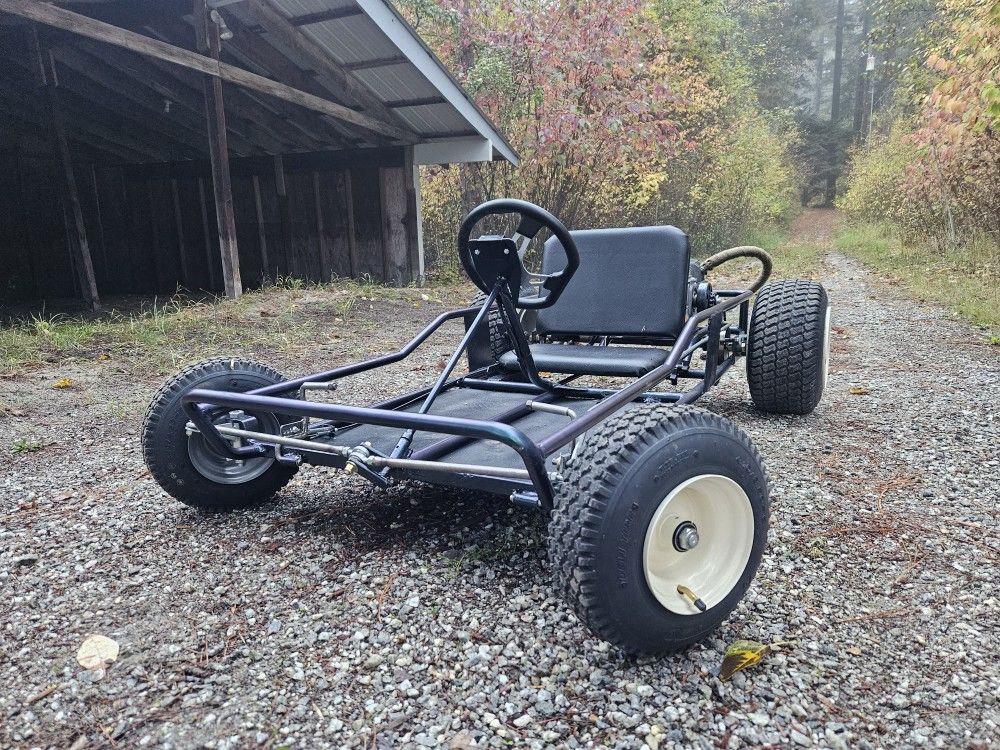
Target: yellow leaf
[
  {"x": 740, "y": 655},
  {"x": 63, "y": 383},
  {"x": 858, "y": 390},
  {"x": 97, "y": 652}
]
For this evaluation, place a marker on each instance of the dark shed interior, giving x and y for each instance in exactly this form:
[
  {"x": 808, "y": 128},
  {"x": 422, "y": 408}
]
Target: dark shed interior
[{"x": 213, "y": 144}]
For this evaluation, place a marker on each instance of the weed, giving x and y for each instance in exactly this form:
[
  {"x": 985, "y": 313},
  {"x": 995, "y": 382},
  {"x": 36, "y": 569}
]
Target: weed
[{"x": 27, "y": 445}]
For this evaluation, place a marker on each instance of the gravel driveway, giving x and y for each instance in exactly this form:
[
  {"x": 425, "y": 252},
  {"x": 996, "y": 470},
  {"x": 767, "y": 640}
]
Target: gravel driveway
[{"x": 339, "y": 616}]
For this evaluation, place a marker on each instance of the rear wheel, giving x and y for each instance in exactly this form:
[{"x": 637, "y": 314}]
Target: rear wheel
[
  {"x": 500, "y": 338},
  {"x": 788, "y": 352},
  {"x": 659, "y": 526},
  {"x": 186, "y": 466}
]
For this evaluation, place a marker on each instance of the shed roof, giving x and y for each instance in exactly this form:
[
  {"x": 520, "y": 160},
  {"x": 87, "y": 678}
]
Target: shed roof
[{"x": 357, "y": 54}]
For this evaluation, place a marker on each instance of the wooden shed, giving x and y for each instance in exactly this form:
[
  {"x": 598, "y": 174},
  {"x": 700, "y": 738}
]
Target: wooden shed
[{"x": 212, "y": 144}]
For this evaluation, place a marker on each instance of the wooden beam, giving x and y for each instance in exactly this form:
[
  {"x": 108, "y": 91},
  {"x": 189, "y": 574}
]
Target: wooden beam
[
  {"x": 325, "y": 15},
  {"x": 305, "y": 48},
  {"x": 294, "y": 130},
  {"x": 23, "y": 109},
  {"x": 377, "y": 62},
  {"x": 77, "y": 23},
  {"x": 218, "y": 149},
  {"x": 146, "y": 100},
  {"x": 80, "y": 249},
  {"x": 398, "y": 103},
  {"x": 254, "y": 49},
  {"x": 86, "y": 100}
]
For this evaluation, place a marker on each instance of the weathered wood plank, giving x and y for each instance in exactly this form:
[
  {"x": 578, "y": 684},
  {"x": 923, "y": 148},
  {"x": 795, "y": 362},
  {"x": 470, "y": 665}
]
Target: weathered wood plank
[
  {"x": 265, "y": 266},
  {"x": 79, "y": 245},
  {"x": 395, "y": 249},
  {"x": 77, "y": 23},
  {"x": 208, "y": 40},
  {"x": 322, "y": 240}
]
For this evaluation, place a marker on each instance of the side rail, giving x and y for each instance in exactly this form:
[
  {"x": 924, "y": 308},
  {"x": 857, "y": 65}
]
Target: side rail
[
  {"x": 199, "y": 403},
  {"x": 368, "y": 364},
  {"x": 692, "y": 329}
]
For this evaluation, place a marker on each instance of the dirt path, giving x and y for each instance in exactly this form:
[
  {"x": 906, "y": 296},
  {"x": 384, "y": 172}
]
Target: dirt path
[{"x": 338, "y": 616}]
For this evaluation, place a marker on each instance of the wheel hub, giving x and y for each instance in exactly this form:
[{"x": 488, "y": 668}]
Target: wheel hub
[
  {"x": 698, "y": 543},
  {"x": 686, "y": 537},
  {"x": 225, "y": 469}
]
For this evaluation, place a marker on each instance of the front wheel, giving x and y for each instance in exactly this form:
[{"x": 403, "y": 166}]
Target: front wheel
[
  {"x": 659, "y": 527},
  {"x": 185, "y": 465}
]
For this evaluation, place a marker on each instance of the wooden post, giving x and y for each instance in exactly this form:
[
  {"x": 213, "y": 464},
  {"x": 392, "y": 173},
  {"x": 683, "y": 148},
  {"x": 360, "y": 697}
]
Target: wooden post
[
  {"x": 324, "y": 246},
  {"x": 352, "y": 239},
  {"x": 414, "y": 240},
  {"x": 179, "y": 223},
  {"x": 395, "y": 250},
  {"x": 261, "y": 233},
  {"x": 218, "y": 149},
  {"x": 79, "y": 246},
  {"x": 285, "y": 214},
  {"x": 204, "y": 233}
]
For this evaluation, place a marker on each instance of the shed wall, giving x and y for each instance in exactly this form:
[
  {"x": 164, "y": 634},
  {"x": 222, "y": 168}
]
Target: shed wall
[{"x": 152, "y": 228}]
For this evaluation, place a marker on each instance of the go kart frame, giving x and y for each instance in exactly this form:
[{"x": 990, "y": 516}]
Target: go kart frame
[{"x": 658, "y": 510}]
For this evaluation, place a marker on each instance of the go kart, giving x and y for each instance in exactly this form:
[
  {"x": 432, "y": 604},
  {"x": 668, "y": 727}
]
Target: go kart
[{"x": 572, "y": 404}]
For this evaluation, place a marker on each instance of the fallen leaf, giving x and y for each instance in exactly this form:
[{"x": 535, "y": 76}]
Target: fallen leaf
[
  {"x": 63, "y": 383},
  {"x": 858, "y": 390},
  {"x": 97, "y": 652},
  {"x": 740, "y": 655},
  {"x": 854, "y": 650}
]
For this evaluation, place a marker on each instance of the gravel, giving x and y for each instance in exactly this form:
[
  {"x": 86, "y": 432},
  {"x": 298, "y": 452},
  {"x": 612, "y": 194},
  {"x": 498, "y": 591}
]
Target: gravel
[{"x": 340, "y": 616}]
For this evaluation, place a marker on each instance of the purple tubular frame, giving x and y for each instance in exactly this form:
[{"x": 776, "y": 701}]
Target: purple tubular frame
[{"x": 199, "y": 404}]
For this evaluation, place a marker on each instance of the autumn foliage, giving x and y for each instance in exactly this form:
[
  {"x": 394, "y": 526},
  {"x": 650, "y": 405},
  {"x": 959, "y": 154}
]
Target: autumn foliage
[
  {"x": 935, "y": 173},
  {"x": 616, "y": 119}
]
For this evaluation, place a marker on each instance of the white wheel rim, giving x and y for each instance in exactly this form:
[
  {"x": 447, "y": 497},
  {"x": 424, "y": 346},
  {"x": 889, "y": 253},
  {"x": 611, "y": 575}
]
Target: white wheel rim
[
  {"x": 721, "y": 511},
  {"x": 826, "y": 348}
]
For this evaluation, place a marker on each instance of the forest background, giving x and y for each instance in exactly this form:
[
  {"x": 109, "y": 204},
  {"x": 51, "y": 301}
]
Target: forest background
[{"x": 727, "y": 117}]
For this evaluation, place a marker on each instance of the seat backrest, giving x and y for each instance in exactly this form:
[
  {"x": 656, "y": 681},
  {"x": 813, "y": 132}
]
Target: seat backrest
[{"x": 631, "y": 282}]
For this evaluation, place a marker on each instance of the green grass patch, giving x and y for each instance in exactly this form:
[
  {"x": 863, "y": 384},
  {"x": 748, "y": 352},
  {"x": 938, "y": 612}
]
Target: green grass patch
[
  {"x": 284, "y": 317},
  {"x": 966, "y": 280},
  {"x": 26, "y": 445},
  {"x": 793, "y": 259}
]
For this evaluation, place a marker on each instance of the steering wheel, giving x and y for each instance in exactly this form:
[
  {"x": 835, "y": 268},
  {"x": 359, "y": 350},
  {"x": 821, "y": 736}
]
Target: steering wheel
[{"x": 532, "y": 219}]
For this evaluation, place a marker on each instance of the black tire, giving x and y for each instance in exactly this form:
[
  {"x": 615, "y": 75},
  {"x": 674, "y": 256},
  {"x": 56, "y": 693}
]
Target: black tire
[
  {"x": 787, "y": 350},
  {"x": 607, "y": 501},
  {"x": 165, "y": 444},
  {"x": 500, "y": 339}
]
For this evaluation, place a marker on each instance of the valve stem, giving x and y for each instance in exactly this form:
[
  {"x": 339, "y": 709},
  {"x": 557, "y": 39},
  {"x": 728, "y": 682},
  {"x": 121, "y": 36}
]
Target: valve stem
[{"x": 695, "y": 599}]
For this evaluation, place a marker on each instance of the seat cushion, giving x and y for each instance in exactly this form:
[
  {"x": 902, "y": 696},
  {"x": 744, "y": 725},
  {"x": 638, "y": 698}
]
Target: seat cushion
[
  {"x": 580, "y": 359},
  {"x": 632, "y": 282}
]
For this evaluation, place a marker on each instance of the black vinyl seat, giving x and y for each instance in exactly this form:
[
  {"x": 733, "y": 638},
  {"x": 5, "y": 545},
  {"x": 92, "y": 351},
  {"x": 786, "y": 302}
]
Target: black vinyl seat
[
  {"x": 581, "y": 359},
  {"x": 632, "y": 284}
]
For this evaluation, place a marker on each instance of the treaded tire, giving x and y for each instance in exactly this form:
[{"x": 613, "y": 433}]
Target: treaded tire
[
  {"x": 606, "y": 502},
  {"x": 500, "y": 340},
  {"x": 165, "y": 442},
  {"x": 787, "y": 350}
]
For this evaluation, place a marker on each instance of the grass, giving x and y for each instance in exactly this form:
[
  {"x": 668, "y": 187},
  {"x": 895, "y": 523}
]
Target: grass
[
  {"x": 965, "y": 280},
  {"x": 284, "y": 316},
  {"x": 793, "y": 259},
  {"x": 26, "y": 445}
]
